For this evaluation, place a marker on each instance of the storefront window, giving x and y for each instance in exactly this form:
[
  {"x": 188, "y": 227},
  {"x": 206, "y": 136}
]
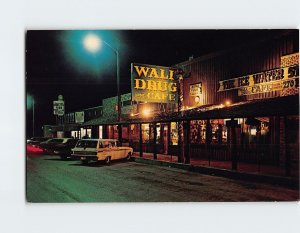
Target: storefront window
[
  {"x": 158, "y": 133},
  {"x": 115, "y": 132},
  {"x": 125, "y": 136},
  {"x": 134, "y": 133},
  {"x": 218, "y": 131},
  {"x": 145, "y": 133},
  {"x": 198, "y": 131},
  {"x": 174, "y": 133},
  {"x": 255, "y": 130},
  {"x": 74, "y": 134},
  {"x": 100, "y": 131}
]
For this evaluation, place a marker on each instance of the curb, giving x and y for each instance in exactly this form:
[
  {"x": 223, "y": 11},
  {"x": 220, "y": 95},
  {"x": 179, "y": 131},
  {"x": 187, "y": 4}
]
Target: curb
[{"x": 288, "y": 182}]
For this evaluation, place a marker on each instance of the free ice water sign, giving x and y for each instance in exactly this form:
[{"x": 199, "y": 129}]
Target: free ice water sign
[{"x": 59, "y": 107}]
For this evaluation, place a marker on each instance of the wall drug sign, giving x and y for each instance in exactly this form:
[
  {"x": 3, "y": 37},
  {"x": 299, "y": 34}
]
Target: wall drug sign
[{"x": 153, "y": 84}]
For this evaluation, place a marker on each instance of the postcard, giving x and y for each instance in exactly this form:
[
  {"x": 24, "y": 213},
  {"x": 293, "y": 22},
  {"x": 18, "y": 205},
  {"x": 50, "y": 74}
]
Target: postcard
[{"x": 162, "y": 115}]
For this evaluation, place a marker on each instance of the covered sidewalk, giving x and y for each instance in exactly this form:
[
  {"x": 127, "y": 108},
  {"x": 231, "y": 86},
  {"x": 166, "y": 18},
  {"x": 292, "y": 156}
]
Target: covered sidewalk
[{"x": 245, "y": 171}]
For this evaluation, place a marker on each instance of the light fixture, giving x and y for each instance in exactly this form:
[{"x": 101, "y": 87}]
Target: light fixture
[
  {"x": 227, "y": 103},
  {"x": 92, "y": 43},
  {"x": 146, "y": 112},
  {"x": 197, "y": 99}
]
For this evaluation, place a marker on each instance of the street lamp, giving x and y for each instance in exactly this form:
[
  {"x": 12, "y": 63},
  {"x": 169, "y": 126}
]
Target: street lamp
[{"x": 93, "y": 43}]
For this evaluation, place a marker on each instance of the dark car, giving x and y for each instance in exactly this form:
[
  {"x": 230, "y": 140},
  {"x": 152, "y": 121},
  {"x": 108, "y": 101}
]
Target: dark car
[
  {"x": 49, "y": 145},
  {"x": 35, "y": 141},
  {"x": 64, "y": 149}
]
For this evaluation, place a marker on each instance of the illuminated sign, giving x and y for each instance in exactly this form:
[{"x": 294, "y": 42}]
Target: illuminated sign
[
  {"x": 271, "y": 80},
  {"x": 151, "y": 83},
  {"x": 79, "y": 117},
  {"x": 196, "y": 89},
  {"x": 59, "y": 107}
]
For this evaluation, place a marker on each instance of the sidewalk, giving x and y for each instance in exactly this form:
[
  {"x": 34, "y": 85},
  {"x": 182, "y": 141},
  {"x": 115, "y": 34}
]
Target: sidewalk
[{"x": 245, "y": 171}]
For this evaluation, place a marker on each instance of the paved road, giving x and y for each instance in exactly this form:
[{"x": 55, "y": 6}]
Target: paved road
[{"x": 51, "y": 180}]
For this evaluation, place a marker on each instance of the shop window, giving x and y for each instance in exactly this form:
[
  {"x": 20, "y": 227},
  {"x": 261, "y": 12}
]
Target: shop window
[
  {"x": 134, "y": 133},
  {"x": 100, "y": 131},
  {"x": 174, "y": 133},
  {"x": 145, "y": 133},
  {"x": 158, "y": 133},
  {"x": 255, "y": 131},
  {"x": 115, "y": 132},
  {"x": 74, "y": 134},
  {"x": 198, "y": 131},
  {"x": 218, "y": 131},
  {"x": 125, "y": 135}
]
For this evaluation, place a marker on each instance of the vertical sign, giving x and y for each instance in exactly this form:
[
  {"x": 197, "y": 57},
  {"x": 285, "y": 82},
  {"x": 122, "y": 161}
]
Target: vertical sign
[
  {"x": 79, "y": 117},
  {"x": 59, "y": 107}
]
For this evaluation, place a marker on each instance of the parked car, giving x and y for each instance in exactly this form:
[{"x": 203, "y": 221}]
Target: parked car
[
  {"x": 100, "y": 150},
  {"x": 64, "y": 149},
  {"x": 35, "y": 141},
  {"x": 49, "y": 145}
]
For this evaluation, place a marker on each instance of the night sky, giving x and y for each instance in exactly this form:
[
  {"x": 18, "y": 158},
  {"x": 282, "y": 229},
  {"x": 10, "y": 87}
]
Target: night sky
[{"x": 56, "y": 63}]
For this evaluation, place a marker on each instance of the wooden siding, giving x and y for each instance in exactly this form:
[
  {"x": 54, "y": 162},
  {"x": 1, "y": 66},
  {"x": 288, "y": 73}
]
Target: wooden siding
[{"x": 248, "y": 59}]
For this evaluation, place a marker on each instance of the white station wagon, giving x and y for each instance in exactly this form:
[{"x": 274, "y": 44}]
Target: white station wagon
[{"x": 100, "y": 150}]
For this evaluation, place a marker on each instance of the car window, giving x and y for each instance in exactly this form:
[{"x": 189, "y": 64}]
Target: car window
[
  {"x": 80, "y": 144},
  {"x": 91, "y": 144},
  {"x": 72, "y": 142},
  {"x": 56, "y": 140}
]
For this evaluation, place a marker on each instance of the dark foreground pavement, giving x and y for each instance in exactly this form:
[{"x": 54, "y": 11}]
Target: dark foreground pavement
[{"x": 51, "y": 180}]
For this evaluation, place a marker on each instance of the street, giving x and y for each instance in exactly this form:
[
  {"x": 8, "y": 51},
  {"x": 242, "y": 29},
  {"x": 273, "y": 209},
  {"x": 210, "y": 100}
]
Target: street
[{"x": 50, "y": 179}]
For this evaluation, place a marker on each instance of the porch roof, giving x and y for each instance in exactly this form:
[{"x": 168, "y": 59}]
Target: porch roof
[{"x": 279, "y": 106}]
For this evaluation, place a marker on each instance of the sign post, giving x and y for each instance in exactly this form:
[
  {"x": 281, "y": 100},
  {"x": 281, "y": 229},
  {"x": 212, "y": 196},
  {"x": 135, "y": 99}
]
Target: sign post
[{"x": 59, "y": 108}]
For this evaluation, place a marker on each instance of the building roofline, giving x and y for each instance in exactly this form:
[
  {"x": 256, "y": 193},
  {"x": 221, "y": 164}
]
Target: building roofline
[{"x": 232, "y": 49}]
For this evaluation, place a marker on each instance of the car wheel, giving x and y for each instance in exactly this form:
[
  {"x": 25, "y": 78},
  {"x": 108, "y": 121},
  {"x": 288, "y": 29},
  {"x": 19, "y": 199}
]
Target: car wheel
[
  {"x": 107, "y": 160},
  {"x": 128, "y": 158}
]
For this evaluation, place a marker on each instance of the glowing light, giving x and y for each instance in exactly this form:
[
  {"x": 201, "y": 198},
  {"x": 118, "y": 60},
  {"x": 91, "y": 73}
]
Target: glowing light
[
  {"x": 31, "y": 148},
  {"x": 146, "y": 112},
  {"x": 92, "y": 43},
  {"x": 253, "y": 132},
  {"x": 29, "y": 102},
  {"x": 227, "y": 103},
  {"x": 131, "y": 114},
  {"x": 197, "y": 99}
]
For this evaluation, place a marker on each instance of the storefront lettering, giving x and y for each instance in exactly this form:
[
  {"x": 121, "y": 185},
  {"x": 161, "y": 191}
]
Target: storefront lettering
[
  {"x": 243, "y": 81},
  {"x": 276, "y": 79},
  {"x": 268, "y": 76},
  {"x": 143, "y": 71},
  {"x": 153, "y": 84}
]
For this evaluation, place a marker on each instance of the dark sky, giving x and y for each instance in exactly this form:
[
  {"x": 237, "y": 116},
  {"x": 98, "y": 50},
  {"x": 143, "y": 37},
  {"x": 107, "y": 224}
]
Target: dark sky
[{"x": 51, "y": 68}]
